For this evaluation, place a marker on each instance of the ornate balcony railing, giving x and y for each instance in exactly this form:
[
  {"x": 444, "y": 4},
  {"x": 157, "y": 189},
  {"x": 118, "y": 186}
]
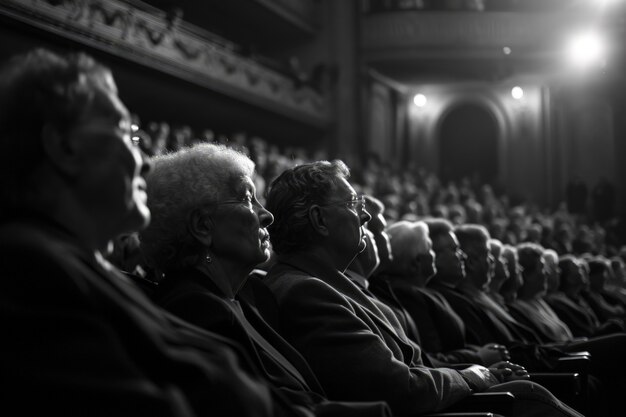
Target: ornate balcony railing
[{"x": 138, "y": 32}]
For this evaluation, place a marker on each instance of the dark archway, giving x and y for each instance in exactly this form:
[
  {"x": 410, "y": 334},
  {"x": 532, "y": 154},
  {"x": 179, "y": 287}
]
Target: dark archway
[{"x": 468, "y": 144}]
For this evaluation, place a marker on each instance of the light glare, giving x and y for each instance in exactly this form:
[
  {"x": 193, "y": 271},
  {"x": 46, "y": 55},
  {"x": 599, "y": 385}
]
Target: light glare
[
  {"x": 420, "y": 100},
  {"x": 586, "y": 49},
  {"x": 517, "y": 92}
]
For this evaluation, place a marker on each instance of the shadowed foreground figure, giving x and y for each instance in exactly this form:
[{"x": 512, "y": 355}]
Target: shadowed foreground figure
[
  {"x": 79, "y": 337},
  {"x": 354, "y": 343}
]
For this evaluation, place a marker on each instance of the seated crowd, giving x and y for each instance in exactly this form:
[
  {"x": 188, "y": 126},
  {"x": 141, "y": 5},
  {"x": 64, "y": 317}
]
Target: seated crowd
[{"x": 305, "y": 299}]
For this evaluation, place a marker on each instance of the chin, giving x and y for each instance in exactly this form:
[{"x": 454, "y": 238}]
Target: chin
[{"x": 137, "y": 219}]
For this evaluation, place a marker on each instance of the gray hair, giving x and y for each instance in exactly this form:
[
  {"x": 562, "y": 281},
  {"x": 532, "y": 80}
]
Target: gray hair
[
  {"x": 408, "y": 239},
  {"x": 180, "y": 183},
  {"x": 291, "y": 195}
]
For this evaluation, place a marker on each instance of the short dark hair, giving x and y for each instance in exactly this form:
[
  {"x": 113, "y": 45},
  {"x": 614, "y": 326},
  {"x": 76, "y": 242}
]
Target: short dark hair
[
  {"x": 470, "y": 235},
  {"x": 438, "y": 226},
  {"x": 291, "y": 195},
  {"x": 40, "y": 89},
  {"x": 528, "y": 254}
]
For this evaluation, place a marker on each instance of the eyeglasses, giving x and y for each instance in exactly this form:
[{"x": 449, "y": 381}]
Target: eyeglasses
[{"x": 354, "y": 203}]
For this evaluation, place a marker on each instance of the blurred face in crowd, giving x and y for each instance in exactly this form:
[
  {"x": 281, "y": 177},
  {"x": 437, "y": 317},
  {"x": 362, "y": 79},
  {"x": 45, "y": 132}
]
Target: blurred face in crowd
[
  {"x": 345, "y": 216},
  {"x": 449, "y": 259},
  {"x": 426, "y": 258},
  {"x": 536, "y": 281},
  {"x": 552, "y": 272},
  {"x": 481, "y": 264},
  {"x": 368, "y": 258},
  {"x": 377, "y": 226},
  {"x": 500, "y": 272},
  {"x": 239, "y": 226},
  {"x": 576, "y": 277},
  {"x": 110, "y": 181},
  {"x": 515, "y": 281}
]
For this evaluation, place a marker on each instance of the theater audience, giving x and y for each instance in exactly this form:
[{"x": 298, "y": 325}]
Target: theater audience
[
  {"x": 597, "y": 296},
  {"x": 353, "y": 343},
  {"x": 208, "y": 232},
  {"x": 513, "y": 282},
  {"x": 442, "y": 331},
  {"x": 80, "y": 338},
  {"x": 571, "y": 307},
  {"x": 530, "y": 306}
]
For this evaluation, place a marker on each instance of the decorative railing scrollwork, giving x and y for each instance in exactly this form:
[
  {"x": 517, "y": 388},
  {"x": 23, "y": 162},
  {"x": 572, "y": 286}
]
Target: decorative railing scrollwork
[{"x": 141, "y": 33}]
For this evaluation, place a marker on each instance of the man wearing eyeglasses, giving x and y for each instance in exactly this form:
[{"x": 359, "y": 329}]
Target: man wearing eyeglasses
[{"x": 354, "y": 343}]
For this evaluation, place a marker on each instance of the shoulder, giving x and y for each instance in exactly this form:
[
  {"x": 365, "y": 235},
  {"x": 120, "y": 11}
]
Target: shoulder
[{"x": 297, "y": 290}]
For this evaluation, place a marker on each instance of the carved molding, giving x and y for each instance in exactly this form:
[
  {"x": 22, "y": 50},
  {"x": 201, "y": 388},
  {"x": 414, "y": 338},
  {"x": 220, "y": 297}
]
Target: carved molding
[
  {"x": 441, "y": 29},
  {"x": 149, "y": 36}
]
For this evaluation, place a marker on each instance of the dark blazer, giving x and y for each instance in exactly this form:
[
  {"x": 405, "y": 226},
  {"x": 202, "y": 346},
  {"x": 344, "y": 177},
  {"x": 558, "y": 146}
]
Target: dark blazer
[
  {"x": 442, "y": 331},
  {"x": 355, "y": 344},
  {"x": 80, "y": 338},
  {"x": 195, "y": 298},
  {"x": 483, "y": 326}
]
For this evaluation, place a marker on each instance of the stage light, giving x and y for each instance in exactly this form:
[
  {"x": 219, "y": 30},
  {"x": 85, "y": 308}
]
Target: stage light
[
  {"x": 586, "y": 49},
  {"x": 420, "y": 100},
  {"x": 517, "y": 92}
]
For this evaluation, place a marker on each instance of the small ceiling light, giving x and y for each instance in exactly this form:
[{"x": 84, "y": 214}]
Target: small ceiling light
[
  {"x": 517, "y": 92},
  {"x": 506, "y": 50},
  {"x": 420, "y": 100}
]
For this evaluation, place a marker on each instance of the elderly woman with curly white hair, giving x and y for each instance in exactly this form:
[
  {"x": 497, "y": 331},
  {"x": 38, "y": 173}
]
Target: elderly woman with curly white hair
[{"x": 208, "y": 232}]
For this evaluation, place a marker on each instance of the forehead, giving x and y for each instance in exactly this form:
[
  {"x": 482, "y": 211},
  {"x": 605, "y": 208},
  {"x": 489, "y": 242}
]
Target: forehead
[
  {"x": 106, "y": 104},
  {"x": 242, "y": 183},
  {"x": 343, "y": 188}
]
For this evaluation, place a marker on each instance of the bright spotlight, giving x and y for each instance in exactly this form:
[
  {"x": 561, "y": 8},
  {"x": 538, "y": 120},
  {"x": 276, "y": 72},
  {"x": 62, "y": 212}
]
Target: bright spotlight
[
  {"x": 420, "y": 100},
  {"x": 586, "y": 49},
  {"x": 517, "y": 92}
]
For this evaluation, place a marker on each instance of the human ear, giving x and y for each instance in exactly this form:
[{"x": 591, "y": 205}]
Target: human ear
[
  {"x": 318, "y": 221},
  {"x": 200, "y": 226}
]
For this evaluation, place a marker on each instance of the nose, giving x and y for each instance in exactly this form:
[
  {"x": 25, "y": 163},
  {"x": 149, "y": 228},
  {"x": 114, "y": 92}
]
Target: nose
[
  {"x": 364, "y": 216},
  {"x": 143, "y": 161},
  {"x": 265, "y": 217}
]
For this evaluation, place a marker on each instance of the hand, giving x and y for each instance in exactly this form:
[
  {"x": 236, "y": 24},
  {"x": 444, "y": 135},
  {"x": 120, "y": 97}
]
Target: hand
[
  {"x": 506, "y": 371},
  {"x": 479, "y": 378},
  {"x": 492, "y": 353}
]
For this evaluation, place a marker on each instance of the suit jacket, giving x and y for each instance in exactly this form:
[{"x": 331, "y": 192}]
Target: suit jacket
[
  {"x": 79, "y": 337},
  {"x": 355, "y": 344},
  {"x": 544, "y": 321},
  {"x": 484, "y": 324},
  {"x": 577, "y": 314},
  {"x": 195, "y": 298},
  {"x": 442, "y": 331}
]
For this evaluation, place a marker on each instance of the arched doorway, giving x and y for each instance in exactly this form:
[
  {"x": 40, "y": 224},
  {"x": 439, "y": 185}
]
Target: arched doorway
[{"x": 468, "y": 144}]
